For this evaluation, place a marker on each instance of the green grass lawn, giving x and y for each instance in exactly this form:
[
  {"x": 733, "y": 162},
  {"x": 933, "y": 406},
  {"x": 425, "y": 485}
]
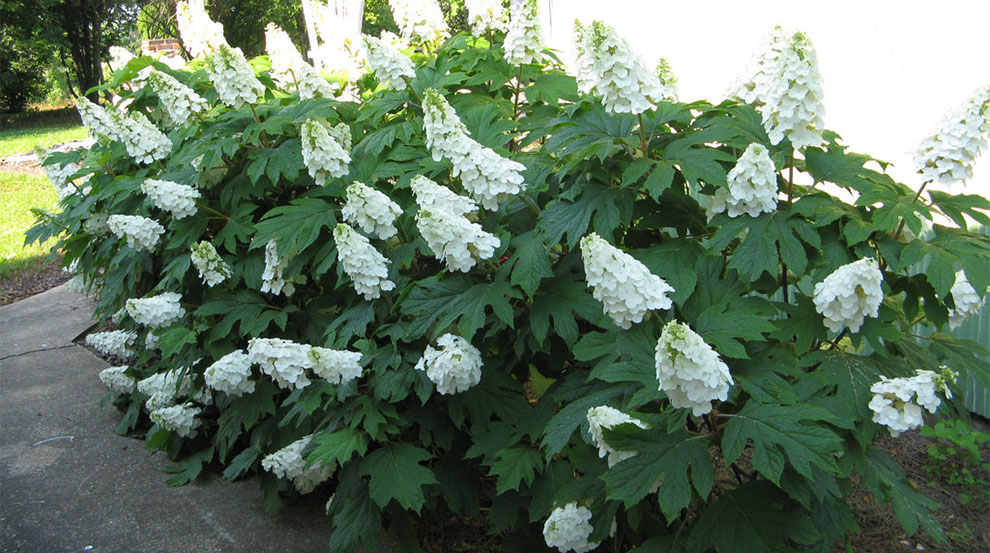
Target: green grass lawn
[
  {"x": 18, "y": 194},
  {"x": 25, "y": 140}
]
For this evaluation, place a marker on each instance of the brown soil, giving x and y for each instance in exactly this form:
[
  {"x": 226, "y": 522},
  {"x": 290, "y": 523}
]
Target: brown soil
[{"x": 30, "y": 281}]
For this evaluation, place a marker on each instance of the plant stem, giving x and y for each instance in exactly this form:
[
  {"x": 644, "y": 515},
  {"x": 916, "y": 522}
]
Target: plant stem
[
  {"x": 253, "y": 111},
  {"x": 529, "y": 203},
  {"x": 211, "y": 210},
  {"x": 837, "y": 339},
  {"x": 900, "y": 227},
  {"x": 643, "y": 140}
]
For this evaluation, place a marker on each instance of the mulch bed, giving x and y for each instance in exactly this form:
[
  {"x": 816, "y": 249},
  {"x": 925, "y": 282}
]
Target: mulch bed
[{"x": 28, "y": 282}]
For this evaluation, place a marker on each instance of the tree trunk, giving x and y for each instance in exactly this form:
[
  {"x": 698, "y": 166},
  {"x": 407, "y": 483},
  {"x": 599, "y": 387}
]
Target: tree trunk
[{"x": 82, "y": 21}]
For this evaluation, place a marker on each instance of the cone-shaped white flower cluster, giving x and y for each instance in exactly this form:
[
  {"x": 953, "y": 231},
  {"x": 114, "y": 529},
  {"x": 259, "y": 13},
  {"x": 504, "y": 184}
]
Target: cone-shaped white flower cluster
[
  {"x": 432, "y": 196},
  {"x": 116, "y": 380},
  {"x": 453, "y": 368},
  {"x": 454, "y": 239},
  {"x": 115, "y": 343},
  {"x": 608, "y": 68},
  {"x": 336, "y": 366},
  {"x": 753, "y": 85},
  {"x": 604, "y": 416},
  {"x": 289, "y": 69},
  {"x": 178, "y": 100},
  {"x": 486, "y": 15},
  {"x": 387, "y": 62},
  {"x": 522, "y": 39},
  {"x": 568, "y": 529},
  {"x": 850, "y": 294},
  {"x": 212, "y": 268},
  {"x": 60, "y": 176},
  {"x": 626, "y": 288},
  {"x": 419, "y": 21},
  {"x": 487, "y": 176},
  {"x": 892, "y": 400},
  {"x": 668, "y": 79},
  {"x": 200, "y": 34},
  {"x": 283, "y": 360},
  {"x": 752, "y": 185},
  {"x": 366, "y": 267},
  {"x": 156, "y": 311},
  {"x": 142, "y": 139},
  {"x": 141, "y": 233},
  {"x": 271, "y": 277},
  {"x": 689, "y": 370},
  {"x": 97, "y": 120},
  {"x": 178, "y": 199},
  {"x": 326, "y": 152},
  {"x": 288, "y": 463},
  {"x": 233, "y": 78},
  {"x": 180, "y": 419},
  {"x": 164, "y": 388},
  {"x": 948, "y": 155},
  {"x": 231, "y": 374},
  {"x": 371, "y": 210},
  {"x": 96, "y": 224},
  {"x": 793, "y": 99},
  {"x": 966, "y": 299}
]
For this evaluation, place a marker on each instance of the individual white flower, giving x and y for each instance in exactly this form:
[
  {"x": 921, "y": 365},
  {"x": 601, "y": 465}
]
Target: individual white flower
[
  {"x": 419, "y": 21},
  {"x": 522, "y": 39},
  {"x": 966, "y": 299},
  {"x": 432, "y": 196},
  {"x": 60, "y": 176},
  {"x": 336, "y": 366},
  {"x": 605, "y": 417},
  {"x": 486, "y": 15},
  {"x": 626, "y": 288},
  {"x": 387, "y": 62},
  {"x": 325, "y": 155},
  {"x": 177, "y": 199},
  {"x": 288, "y": 463},
  {"x": 116, "y": 380},
  {"x": 98, "y": 120},
  {"x": 453, "y": 368},
  {"x": 753, "y": 85},
  {"x": 212, "y": 268},
  {"x": 668, "y": 79},
  {"x": 181, "y": 419},
  {"x": 141, "y": 233},
  {"x": 608, "y": 68},
  {"x": 289, "y": 69},
  {"x": 371, "y": 210},
  {"x": 115, "y": 343},
  {"x": 752, "y": 185},
  {"x": 454, "y": 239},
  {"x": 793, "y": 99},
  {"x": 689, "y": 370},
  {"x": 568, "y": 529},
  {"x": 271, "y": 277},
  {"x": 283, "y": 360},
  {"x": 231, "y": 374},
  {"x": 850, "y": 294},
  {"x": 233, "y": 78},
  {"x": 156, "y": 311},
  {"x": 142, "y": 139},
  {"x": 892, "y": 400},
  {"x": 366, "y": 267},
  {"x": 200, "y": 34},
  {"x": 151, "y": 341},
  {"x": 949, "y": 154},
  {"x": 178, "y": 100}
]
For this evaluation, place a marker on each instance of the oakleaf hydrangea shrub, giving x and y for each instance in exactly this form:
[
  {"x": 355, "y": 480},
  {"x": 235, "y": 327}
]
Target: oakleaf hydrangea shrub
[{"x": 467, "y": 288}]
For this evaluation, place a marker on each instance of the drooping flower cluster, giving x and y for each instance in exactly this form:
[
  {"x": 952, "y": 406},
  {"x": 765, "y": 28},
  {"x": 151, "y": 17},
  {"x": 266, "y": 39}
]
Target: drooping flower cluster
[
  {"x": 432, "y": 196},
  {"x": 325, "y": 151},
  {"x": 231, "y": 374},
  {"x": 181, "y": 419},
  {"x": 271, "y": 277},
  {"x": 689, "y": 370},
  {"x": 336, "y": 366},
  {"x": 522, "y": 39},
  {"x": 487, "y": 176},
  {"x": 453, "y": 368},
  {"x": 966, "y": 299},
  {"x": 177, "y": 199},
  {"x": 178, "y": 100},
  {"x": 568, "y": 529},
  {"x": 156, "y": 311},
  {"x": 141, "y": 233},
  {"x": 485, "y": 16},
  {"x": 211, "y": 267},
  {"x": 419, "y": 21},
  {"x": 626, "y": 288},
  {"x": 99, "y": 122},
  {"x": 948, "y": 155},
  {"x": 608, "y": 68},
  {"x": 752, "y": 185},
  {"x": 892, "y": 400},
  {"x": 454, "y": 239},
  {"x": 233, "y": 78},
  {"x": 371, "y": 210},
  {"x": 366, "y": 267},
  {"x": 200, "y": 34},
  {"x": 605, "y": 417},
  {"x": 289, "y": 69},
  {"x": 164, "y": 388},
  {"x": 115, "y": 343},
  {"x": 753, "y": 84},
  {"x": 116, "y": 379},
  {"x": 850, "y": 294},
  {"x": 142, "y": 139},
  {"x": 60, "y": 176},
  {"x": 387, "y": 62},
  {"x": 283, "y": 360},
  {"x": 288, "y": 463}
]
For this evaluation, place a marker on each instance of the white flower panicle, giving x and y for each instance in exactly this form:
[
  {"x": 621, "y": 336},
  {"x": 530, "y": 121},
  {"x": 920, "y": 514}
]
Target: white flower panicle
[
  {"x": 233, "y": 78},
  {"x": 668, "y": 79},
  {"x": 336, "y": 366},
  {"x": 445, "y": 133},
  {"x": 200, "y": 34},
  {"x": 432, "y": 196},
  {"x": 850, "y": 294},
  {"x": 231, "y": 374},
  {"x": 626, "y": 288},
  {"x": 366, "y": 267},
  {"x": 371, "y": 210},
  {"x": 271, "y": 277},
  {"x": 966, "y": 299},
  {"x": 156, "y": 311},
  {"x": 485, "y": 16},
  {"x": 115, "y": 343},
  {"x": 141, "y": 233},
  {"x": 288, "y": 463},
  {"x": 323, "y": 151},
  {"x": 793, "y": 99},
  {"x": 605, "y": 417},
  {"x": 150, "y": 341},
  {"x": 609, "y": 69},
  {"x": 419, "y": 21},
  {"x": 115, "y": 379},
  {"x": 689, "y": 370},
  {"x": 165, "y": 387},
  {"x": 892, "y": 404},
  {"x": 453, "y": 368},
  {"x": 753, "y": 85},
  {"x": 96, "y": 224},
  {"x": 752, "y": 185},
  {"x": 119, "y": 57},
  {"x": 289, "y": 69},
  {"x": 98, "y": 120},
  {"x": 522, "y": 39},
  {"x": 211, "y": 267},
  {"x": 178, "y": 100},
  {"x": 454, "y": 239},
  {"x": 283, "y": 360},
  {"x": 181, "y": 419},
  {"x": 177, "y": 199},
  {"x": 568, "y": 529},
  {"x": 948, "y": 155},
  {"x": 142, "y": 139},
  {"x": 387, "y": 62},
  {"x": 60, "y": 175}
]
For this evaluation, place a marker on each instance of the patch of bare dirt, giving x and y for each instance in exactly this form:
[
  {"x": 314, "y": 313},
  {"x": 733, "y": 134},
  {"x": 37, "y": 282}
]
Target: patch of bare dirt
[{"x": 30, "y": 281}]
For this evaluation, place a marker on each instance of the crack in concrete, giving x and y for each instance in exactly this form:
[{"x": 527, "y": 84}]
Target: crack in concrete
[{"x": 35, "y": 351}]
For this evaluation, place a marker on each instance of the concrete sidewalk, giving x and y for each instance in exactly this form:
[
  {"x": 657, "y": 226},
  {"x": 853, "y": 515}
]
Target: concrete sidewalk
[{"x": 68, "y": 483}]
